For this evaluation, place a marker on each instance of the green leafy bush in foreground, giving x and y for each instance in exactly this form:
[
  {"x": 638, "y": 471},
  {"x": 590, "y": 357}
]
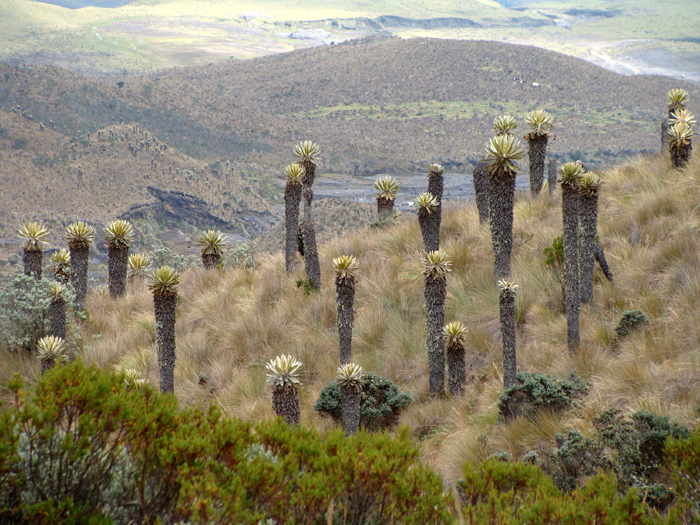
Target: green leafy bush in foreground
[
  {"x": 83, "y": 447},
  {"x": 534, "y": 391}
]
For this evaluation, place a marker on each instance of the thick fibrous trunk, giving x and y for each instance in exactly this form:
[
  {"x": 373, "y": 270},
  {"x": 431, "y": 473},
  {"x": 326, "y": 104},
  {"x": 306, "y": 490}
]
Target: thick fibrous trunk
[
  {"x": 600, "y": 257},
  {"x": 117, "y": 268},
  {"x": 588, "y": 220},
  {"x": 681, "y": 155},
  {"x": 552, "y": 176},
  {"x": 430, "y": 230},
  {"x": 456, "y": 369},
  {"x": 506, "y": 305},
  {"x": 435, "y": 292},
  {"x": 79, "y": 257},
  {"x": 165, "y": 339},
  {"x": 570, "y": 209},
  {"x": 481, "y": 191},
  {"x": 292, "y": 199},
  {"x": 537, "y": 153},
  {"x": 285, "y": 401},
  {"x": 350, "y": 400},
  {"x": 309, "y": 173},
  {"x": 664, "y": 135},
  {"x": 313, "y": 267},
  {"x": 46, "y": 364},
  {"x": 385, "y": 209},
  {"x": 210, "y": 260},
  {"x": 501, "y": 196},
  {"x": 435, "y": 188},
  {"x": 33, "y": 261},
  {"x": 345, "y": 298},
  {"x": 57, "y": 317}
]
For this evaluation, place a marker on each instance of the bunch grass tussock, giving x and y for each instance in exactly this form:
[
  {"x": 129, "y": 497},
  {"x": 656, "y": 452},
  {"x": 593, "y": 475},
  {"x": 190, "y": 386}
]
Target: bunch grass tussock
[{"x": 231, "y": 324}]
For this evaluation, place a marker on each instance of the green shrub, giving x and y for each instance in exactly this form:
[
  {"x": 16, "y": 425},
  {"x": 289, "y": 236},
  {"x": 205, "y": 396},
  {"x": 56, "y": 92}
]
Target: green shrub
[
  {"x": 134, "y": 456},
  {"x": 19, "y": 143},
  {"x": 164, "y": 256},
  {"x": 381, "y": 403},
  {"x": 629, "y": 322},
  {"x": 684, "y": 455},
  {"x": 535, "y": 391},
  {"x": 517, "y": 493},
  {"x": 241, "y": 255}
]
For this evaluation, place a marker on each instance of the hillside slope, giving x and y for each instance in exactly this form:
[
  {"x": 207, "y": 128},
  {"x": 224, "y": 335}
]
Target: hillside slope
[{"x": 229, "y": 324}]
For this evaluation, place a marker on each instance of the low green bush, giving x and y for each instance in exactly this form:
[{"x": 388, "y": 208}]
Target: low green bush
[
  {"x": 381, "y": 403},
  {"x": 630, "y": 321},
  {"x": 107, "y": 453},
  {"x": 534, "y": 391}
]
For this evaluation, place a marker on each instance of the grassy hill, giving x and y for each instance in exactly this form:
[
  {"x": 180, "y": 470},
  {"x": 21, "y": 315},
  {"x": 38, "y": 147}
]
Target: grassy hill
[{"x": 229, "y": 324}]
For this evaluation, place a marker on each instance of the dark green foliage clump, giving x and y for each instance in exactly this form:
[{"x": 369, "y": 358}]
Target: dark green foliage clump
[
  {"x": 85, "y": 448},
  {"x": 629, "y": 322},
  {"x": 381, "y": 403},
  {"x": 535, "y": 391},
  {"x": 632, "y": 448}
]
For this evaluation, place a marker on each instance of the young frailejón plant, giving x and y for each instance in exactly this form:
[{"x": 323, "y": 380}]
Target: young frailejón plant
[
  {"x": 133, "y": 379},
  {"x": 455, "y": 334},
  {"x": 163, "y": 283},
  {"x": 292, "y": 200},
  {"x": 427, "y": 205},
  {"x": 138, "y": 267},
  {"x": 57, "y": 310},
  {"x": 589, "y": 185},
  {"x": 506, "y": 304},
  {"x": 60, "y": 265},
  {"x": 502, "y": 152},
  {"x": 118, "y": 235},
  {"x": 387, "y": 190},
  {"x": 435, "y": 188},
  {"x": 539, "y": 124},
  {"x": 676, "y": 101},
  {"x": 569, "y": 178},
  {"x": 34, "y": 235},
  {"x": 284, "y": 378},
  {"x": 212, "y": 244},
  {"x": 345, "y": 268},
  {"x": 437, "y": 265},
  {"x": 49, "y": 349},
  {"x": 79, "y": 236},
  {"x": 680, "y": 134},
  {"x": 349, "y": 378}
]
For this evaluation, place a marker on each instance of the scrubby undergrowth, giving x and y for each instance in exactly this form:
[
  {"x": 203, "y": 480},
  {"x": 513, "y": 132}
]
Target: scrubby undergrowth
[{"x": 231, "y": 323}]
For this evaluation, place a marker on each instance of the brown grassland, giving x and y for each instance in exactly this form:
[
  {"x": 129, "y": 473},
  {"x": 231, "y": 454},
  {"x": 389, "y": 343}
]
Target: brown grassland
[{"x": 230, "y": 323}]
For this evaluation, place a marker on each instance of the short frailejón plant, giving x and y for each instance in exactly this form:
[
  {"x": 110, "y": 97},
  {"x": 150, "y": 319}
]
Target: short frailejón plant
[
  {"x": 164, "y": 282},
  {"x": 569, "y": 178},
  {"x": 506, "y": 303},
  {"x": 212, "y": 244},
  {"x": 502, "y": 152},
  {"x": 387, "y": 190},
  {"x": 539, "y": 125},
  {"x": 133, "y": 379},
  {"x": 118, "y": 235},
  {"x": 79, "y": 236},
  {"x": 138, "y": 267},
  {"x": 60, "y": 265},
  {"x": 455, "y": 334},
  {"x": 680, "y": 144},
  {"x": 427, "y": 205},
  {"x": 676, "y": 101},
  {"x": 589, "y": 185},
  {"x": 57, "y": 310},
  {"x": 34, "y": 235},
  {"x": 292, "y": 200},
  {"x": 437, "y": 265},
  {"x": 345, "y": 268},
  {"x": 49, "y": 349},
  {"x": 284, "y": 377},
  {"x": 349, "y": 378}
]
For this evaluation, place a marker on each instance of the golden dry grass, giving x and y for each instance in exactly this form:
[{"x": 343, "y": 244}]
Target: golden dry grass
[{"x": 229, "y": 324}]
